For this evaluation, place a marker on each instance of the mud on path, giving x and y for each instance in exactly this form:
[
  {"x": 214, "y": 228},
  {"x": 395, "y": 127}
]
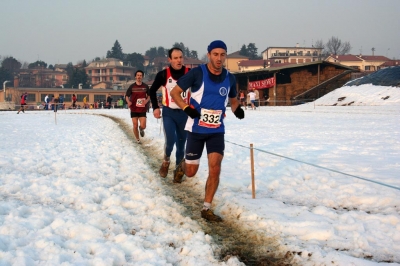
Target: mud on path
[{"x": 230, "y": 237}]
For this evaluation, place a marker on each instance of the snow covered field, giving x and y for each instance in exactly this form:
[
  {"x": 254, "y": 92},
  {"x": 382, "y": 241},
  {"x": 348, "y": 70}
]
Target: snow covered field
[{"x": 77, "y": 190}]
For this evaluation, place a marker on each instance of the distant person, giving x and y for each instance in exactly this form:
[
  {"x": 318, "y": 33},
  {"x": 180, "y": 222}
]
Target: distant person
[
  {"x": 120, "y": 103},
  {"x": 109, "y": 101},
  {"x": 46, "y": 102},
  {"x": 61, "y": 101},
  {"x": 52, "y": 102},
  {"x": 74, "y": 101},
  {"x": 212, "y": 86},
  {"x": 257, "y": 98},
  {"x": 137, "y": 96},
  {"x": 125, "y": 103},
  {"x": 56, "y": 103},
  {"x": 24, "y": 98},
  {"x": 252, "y": 97},
  {"x": 84, "y": 102},
  {"x": 243, "y": 100},
  {"x": 174, "y": 118}
]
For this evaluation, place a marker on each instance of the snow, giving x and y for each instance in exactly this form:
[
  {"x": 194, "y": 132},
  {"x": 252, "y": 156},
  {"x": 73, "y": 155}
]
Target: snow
[{"x": 77, "y": 190}]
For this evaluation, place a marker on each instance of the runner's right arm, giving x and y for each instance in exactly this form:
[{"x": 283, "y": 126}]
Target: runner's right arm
[{"x": 158, "y": 82}]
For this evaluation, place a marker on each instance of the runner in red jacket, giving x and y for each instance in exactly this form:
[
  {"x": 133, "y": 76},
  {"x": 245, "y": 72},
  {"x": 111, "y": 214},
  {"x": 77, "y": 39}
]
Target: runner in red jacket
[{"x": 137, "y": 97}]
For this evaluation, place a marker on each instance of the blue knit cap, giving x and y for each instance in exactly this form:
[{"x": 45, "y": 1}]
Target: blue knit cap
[{"x": 217, "y": 44}]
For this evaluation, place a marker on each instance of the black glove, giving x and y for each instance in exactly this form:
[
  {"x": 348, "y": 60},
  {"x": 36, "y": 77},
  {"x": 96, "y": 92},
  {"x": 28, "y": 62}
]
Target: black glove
[
  {"x": 193, "y": 113},
  {"x": 239, "y": 113}
]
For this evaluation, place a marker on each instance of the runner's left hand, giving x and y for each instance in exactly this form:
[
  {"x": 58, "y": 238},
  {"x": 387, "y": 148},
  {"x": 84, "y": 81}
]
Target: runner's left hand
[{"x": 239, "y": 113}]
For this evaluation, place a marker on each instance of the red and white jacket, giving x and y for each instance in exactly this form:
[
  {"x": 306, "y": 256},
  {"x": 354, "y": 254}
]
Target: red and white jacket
[{"x": 166, "y": 91}]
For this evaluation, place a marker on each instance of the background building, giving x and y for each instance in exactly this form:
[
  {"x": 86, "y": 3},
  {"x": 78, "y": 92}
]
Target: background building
[
  {"x": 293, "y": 55},
  {"x": 109, "y": 72}
]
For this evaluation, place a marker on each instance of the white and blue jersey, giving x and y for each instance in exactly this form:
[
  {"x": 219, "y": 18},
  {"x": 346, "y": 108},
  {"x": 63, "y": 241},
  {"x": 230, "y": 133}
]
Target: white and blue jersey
[{"x": 210, "y": 95}]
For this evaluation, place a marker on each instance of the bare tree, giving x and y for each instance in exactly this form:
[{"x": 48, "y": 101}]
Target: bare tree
[
  {"x": 204, "y": 58},
  {"x": 319, "y": 44},
  {"x": 25, "y": 65},
  {"x": 336, "y": 47}
]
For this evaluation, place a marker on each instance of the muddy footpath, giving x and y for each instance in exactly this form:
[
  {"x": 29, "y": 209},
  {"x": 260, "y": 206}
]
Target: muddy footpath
[{"x": 230, "y": 237}]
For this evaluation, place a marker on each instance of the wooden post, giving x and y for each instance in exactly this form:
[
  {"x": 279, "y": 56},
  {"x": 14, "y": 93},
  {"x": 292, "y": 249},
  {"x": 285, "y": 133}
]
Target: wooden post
[{"x": 253, "y": 186}]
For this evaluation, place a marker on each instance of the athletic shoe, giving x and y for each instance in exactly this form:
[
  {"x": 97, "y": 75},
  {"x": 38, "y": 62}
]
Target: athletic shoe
[
  {"x": 164, "y": 168},
  {"x": 210, "y": 216},
  {"x": 178, "y": 173},
  {"x": 141, "y": 132}
]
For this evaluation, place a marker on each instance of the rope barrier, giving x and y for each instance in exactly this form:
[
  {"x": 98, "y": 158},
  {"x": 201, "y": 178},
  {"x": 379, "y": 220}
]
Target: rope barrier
[{"x": 317, "y": 166}]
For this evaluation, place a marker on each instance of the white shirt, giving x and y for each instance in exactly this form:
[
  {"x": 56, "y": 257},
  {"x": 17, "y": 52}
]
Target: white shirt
[{"x": 252, "y": 96}]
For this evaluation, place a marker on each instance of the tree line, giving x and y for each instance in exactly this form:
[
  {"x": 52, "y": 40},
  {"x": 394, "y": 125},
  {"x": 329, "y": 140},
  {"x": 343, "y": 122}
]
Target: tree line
[{"x": 76, "y": 75}]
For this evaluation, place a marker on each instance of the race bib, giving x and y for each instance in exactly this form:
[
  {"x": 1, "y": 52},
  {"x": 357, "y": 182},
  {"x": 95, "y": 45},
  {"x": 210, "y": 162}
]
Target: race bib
[
  {"x": 210, "y": 118},
  {"x": 183, "y": 95},
  {"x": 141, "y": 102}
]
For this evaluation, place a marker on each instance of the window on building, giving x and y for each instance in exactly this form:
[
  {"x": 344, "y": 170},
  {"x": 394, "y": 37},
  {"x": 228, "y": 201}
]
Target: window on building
[
  {"x": 67, "y": 97},
  {"x": 31, "y": 97},
  {"x": 111, "y": 71},
  {"x": 79, "y": 97},
  {"x": 367, "y": 68},
  {"x": 99, "y": 97},
  {"x": 42, "y": 97}
]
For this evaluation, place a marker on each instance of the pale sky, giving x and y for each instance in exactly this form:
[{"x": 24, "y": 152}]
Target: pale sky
[{"x": 57, "y": 31}]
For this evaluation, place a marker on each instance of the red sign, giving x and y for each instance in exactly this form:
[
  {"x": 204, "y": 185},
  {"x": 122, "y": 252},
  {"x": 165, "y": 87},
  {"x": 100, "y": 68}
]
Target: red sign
[{"x": 262, "y": 84}]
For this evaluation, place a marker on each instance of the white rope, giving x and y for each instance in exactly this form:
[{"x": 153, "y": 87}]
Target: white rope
[{"x": 332, "y": 170}]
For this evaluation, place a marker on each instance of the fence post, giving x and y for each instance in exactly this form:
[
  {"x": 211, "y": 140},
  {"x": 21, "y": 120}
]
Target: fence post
[{"x": 253, "y": 189}]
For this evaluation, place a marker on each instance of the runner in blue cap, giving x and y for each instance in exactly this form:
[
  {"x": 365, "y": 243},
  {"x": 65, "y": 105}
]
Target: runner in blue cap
[{"x": 211, "y": 87}]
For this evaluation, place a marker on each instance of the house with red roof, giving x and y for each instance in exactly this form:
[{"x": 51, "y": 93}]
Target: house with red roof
[
  {"x": 391, "y": 63},
  {"x": 364, "y": 63},
  {"x": 232, "y": 61}
]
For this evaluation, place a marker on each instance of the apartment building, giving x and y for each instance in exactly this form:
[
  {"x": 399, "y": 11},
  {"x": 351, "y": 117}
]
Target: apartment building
[
  {"x": 292, "y": 55},
  {"x": 106, "y": 73},
  {"x": 41, "y": 77}
]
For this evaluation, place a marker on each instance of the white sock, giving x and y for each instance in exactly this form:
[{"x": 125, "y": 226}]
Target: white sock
[{"x": 206, "y": 205}]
